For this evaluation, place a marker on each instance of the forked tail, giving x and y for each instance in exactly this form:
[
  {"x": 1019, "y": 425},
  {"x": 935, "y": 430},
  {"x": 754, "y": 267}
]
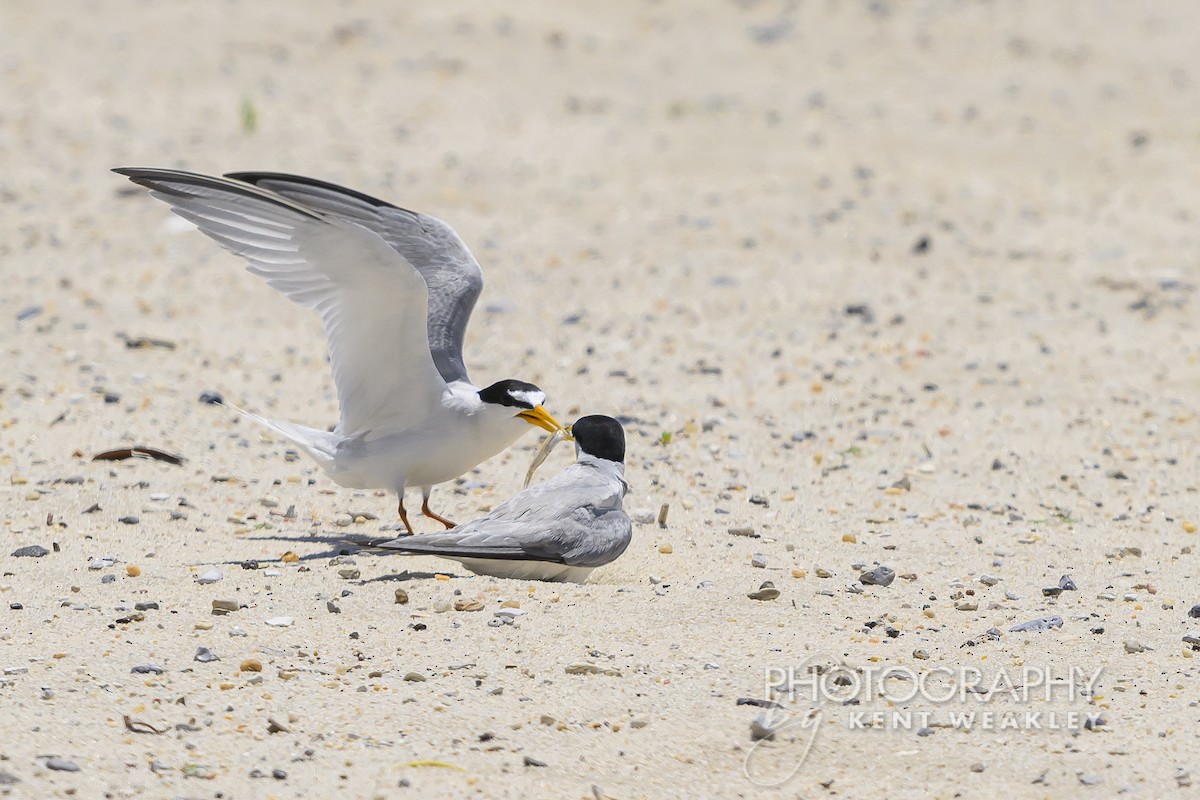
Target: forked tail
[{"x": 321, "y": 446}]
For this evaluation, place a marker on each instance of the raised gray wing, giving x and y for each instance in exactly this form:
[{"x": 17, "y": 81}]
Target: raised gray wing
[
  {"x": 430, "y": 245},
  {"x": 575, "y": 518},
  {"x": 371, "y": 300}
]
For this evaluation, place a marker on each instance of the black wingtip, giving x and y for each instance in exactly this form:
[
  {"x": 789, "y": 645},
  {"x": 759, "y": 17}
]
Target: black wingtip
[
  {"x": 256, "y": 178},
  {"x": 160, "y": 180}
]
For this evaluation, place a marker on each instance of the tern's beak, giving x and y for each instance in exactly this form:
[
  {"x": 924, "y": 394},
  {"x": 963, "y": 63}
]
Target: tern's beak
[{"x": 541, "y": 418}]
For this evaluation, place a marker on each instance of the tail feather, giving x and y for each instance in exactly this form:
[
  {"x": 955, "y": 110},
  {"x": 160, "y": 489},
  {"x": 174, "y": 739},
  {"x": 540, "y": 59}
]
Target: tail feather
[{"x": 321, "y": 446}]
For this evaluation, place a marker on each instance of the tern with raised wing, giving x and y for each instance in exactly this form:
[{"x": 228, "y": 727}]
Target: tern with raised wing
[{"x": 395, "y": 290}]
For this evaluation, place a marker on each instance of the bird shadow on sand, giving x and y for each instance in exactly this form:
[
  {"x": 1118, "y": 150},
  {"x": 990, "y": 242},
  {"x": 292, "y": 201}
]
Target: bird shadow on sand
[{"x": 340, "y": 545}]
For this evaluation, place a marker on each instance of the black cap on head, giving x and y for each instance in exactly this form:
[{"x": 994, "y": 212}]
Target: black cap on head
[
  {"x": 513, "y": 393},
  {"x": 600, "y": 436}
]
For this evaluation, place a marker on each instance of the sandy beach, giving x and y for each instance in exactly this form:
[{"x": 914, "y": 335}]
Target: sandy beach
[{"x": 897, "y": 303}]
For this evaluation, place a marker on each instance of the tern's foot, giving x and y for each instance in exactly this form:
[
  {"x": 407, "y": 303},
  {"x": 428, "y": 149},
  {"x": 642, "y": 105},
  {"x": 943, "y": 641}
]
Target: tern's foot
[{"x": 432, "y": 515}]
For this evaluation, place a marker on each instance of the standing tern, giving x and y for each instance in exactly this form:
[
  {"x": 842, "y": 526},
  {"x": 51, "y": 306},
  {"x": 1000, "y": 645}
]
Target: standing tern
[
  {"x": 395, "y": 290},
  {"x": 559, "y": 530}
]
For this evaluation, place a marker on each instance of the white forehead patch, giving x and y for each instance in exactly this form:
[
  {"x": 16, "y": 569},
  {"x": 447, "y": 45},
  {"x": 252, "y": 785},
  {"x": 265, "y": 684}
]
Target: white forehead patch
[{"x": 534, "y": 398}]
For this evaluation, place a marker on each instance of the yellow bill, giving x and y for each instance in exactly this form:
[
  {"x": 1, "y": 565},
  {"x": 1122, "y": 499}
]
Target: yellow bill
[{"x": 540, "y": 417}]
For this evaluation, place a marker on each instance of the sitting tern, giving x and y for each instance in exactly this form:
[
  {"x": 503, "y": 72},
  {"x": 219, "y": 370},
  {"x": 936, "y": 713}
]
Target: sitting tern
[
  {"x": 559, "y": 530},
  {"x": 395, "y": 290}
]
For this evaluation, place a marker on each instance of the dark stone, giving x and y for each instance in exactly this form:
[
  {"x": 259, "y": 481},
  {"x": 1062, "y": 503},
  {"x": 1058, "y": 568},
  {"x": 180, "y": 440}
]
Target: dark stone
[
  {"x": 31, "y": 551},
  {"x": 212, "y": 398},
  {"x": 880, "y": 576},
  {"x": 148, "y": 669}
]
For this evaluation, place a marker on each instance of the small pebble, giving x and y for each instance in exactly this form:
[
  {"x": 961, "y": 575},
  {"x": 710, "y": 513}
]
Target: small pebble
[
  {"x": 332, "y": 607},
  {"x": 210, "y": 576},
  {"x": 510, "y": 613},
  {"x": 1067, "y": 584},
  {"x": 665, "y": 549},
  {"x": 250, "y": 665},
  {"x": 766, "y": 591},
  {"x": 349, "y": 573},
  {"x": 30, "y": 551},
  {"x": 110, "y": 578},
  {"x": 61, "y": 765},
  {"x": 211, "y": 398},
  {"x": 758, "y": 560},
  {"x": 147, "y": 669},
  {"x": 988, "y": 580},
  {"x": 204, "y": 655},
  {"x": 343, "y": 520},
  {"x": 1090, "y": 779},
  {"x": 133, "y": 570},
  {"x": 760, "y": 729},
  {"x": 742, "y": 531},
  {"x": 415, "y": 677},
  {"x": 1134, "y": 646},
  {"x": 278, "y": 774},
  {"x": 220, "y": 607},
  {"x": 1036, "y": 625},
  {"x": 1194, "y": 613},
  {"x": 150, "y": 605},
  {"x": 129, "y": 519},
  {"x": 280, "y": 622},
  {"x": 880, "y": 576},
  {"x": 401, "y": 597}
]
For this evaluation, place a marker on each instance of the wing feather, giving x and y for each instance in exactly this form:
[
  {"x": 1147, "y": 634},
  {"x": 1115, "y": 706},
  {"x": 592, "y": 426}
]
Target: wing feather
[
  {"x": 575, "y": 518},
  {"x": 371, "y": 299},
  {"x": 452, "y": 274}
]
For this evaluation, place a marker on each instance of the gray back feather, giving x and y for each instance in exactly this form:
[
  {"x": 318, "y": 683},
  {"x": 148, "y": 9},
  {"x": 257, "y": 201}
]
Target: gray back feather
[{"x": 430, "y": 245}]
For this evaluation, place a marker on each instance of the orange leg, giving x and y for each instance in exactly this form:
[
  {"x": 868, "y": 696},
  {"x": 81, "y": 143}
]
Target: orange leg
[
  {"x": 429, "y": 513},
  {"x": 404, "y": 515}
]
